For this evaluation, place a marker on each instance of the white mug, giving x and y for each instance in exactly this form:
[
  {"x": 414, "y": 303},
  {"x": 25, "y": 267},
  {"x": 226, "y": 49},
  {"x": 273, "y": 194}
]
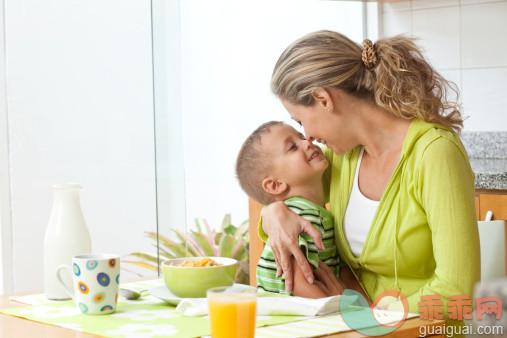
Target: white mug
[{"x": 96, "y": 280}]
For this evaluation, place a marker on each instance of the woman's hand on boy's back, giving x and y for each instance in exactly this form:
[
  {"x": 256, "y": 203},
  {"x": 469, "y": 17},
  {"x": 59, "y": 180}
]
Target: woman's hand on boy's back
[{"x": 283, "y": 228}]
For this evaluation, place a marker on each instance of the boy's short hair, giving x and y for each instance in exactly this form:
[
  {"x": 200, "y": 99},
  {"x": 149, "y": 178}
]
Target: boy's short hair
[{"x": 253, "y": 165}]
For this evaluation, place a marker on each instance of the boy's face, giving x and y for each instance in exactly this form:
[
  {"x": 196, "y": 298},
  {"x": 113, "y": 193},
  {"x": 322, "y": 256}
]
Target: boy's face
[{"x": 294, "y": 160}]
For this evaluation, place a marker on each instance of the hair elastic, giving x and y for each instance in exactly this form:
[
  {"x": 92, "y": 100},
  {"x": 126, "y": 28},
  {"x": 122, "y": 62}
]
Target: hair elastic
[{"x": 369, "y": 55}]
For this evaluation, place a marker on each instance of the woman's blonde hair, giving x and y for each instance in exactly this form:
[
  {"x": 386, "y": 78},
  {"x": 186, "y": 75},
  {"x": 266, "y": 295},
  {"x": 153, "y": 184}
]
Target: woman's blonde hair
[{"x": 402, "y": 81}]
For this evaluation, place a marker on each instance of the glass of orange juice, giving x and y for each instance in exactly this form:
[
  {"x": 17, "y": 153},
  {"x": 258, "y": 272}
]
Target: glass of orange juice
[{"x": 232, "y": 311}]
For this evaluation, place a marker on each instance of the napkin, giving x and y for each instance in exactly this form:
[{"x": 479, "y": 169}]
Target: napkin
[{"x": 275, "y": 306}]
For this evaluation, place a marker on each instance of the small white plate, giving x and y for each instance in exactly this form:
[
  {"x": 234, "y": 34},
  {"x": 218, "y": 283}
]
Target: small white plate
[{"x": 162, "y": 292}]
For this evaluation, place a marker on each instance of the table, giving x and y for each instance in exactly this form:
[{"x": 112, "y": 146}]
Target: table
[{"x": 14, "y": 327}]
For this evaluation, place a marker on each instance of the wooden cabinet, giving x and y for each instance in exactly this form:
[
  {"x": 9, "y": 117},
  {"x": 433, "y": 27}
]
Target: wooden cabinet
[{"x": 491, "y": 200}]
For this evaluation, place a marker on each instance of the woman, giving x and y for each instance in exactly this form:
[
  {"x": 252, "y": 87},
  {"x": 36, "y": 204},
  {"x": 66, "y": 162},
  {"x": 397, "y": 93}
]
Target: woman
[{"x": 400, "y": 185}]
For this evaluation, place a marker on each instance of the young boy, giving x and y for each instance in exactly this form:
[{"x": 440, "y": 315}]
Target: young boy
[{"x": 276, "y": 163}]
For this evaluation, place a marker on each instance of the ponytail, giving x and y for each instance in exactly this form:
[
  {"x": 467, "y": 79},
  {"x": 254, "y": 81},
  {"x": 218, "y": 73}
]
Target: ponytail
[{"x": 408, "y": 86}]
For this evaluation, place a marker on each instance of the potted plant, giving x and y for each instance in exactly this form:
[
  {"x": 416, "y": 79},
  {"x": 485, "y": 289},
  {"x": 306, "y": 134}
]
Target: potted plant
[{"x": 230, "y": 241}]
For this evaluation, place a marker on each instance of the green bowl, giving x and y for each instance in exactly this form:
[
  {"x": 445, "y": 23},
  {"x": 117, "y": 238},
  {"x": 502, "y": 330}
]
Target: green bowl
[{"x": 187, "y": 282}]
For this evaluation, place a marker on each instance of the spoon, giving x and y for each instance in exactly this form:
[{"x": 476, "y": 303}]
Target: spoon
[{"x": 130, "y": 294}]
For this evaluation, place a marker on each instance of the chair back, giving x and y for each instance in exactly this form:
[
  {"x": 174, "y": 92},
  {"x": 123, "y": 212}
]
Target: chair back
[{"x": 256, "y": 245}]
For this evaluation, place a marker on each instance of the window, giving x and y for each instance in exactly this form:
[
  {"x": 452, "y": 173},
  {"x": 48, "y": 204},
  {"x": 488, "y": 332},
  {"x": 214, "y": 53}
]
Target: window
[{"x": 213, "y": 64}]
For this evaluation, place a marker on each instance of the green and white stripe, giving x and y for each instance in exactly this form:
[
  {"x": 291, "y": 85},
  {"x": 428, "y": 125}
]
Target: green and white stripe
[{"x": 322, "y": 220}]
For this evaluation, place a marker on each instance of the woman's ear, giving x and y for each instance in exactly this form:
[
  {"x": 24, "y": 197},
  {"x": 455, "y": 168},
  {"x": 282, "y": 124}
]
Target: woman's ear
[
  {"x": 273, "y": 186},
  {"x": 323, "y": 98}
]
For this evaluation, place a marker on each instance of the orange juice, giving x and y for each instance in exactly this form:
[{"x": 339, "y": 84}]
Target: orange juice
[{"x": 232, "y": 315}]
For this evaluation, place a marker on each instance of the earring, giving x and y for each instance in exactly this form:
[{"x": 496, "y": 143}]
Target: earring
[{"x": 329, "y": 109}]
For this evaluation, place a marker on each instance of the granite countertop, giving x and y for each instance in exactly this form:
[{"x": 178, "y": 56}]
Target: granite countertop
[
  {"x": 487, "y": 152},
  {"x": 490, "y": 173}
]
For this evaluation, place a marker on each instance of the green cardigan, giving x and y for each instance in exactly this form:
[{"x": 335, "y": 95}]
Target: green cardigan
[{"x": 424, "y": 238}]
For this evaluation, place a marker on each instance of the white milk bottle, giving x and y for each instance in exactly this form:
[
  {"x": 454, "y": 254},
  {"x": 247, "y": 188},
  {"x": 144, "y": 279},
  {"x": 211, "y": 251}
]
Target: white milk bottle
[{"x": 66, "y": 236}]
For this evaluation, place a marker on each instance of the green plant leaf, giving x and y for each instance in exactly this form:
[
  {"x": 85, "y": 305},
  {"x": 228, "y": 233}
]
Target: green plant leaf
[
  {"x": 245, "y": 237},
  {"x": 243, "y": 273},
  {"x": 180, "y": 236},
  {"x": 209, "y": 232},
  {"x": 242, "y": 229},
  {"x": 183, "y": 238},
  {"x": 242, "y": 277},
  {"x": 165, "y": 254},
  {"x": 200, "y": 224},
  {"x": 164, "y": 257},
  {"x": 226, "y": 246},
  {"x": 240, "y": 253},
  {"x": 226, "y": 221},
  {"x": 217, "y": 238},
  {"x": 176, "y": 249},
  {"x": 153, "y": 236},
  {"x": 205, "y": 243},
  {"x": 123, "y": 268},
  {"x": 145, "y": 256},
  {"x": 143, "y": 264},
  {"x": 232, "y": 241},
  {"x": 179, "y": 250},
  {"x": 229, "y": 230}
]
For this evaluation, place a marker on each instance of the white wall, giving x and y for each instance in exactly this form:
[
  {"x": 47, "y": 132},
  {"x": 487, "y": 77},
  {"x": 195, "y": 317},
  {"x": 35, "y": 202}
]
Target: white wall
[
  {"x": 5, "y": 201},
  {"x": 228, "y": 51},
  {"x": 465, "y": 41},
  {"x": 80, "y": 109}
]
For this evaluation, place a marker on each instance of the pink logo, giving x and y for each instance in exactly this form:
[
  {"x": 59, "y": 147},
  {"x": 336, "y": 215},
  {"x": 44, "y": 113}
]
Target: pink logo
[{"x": 484, "y": 305}]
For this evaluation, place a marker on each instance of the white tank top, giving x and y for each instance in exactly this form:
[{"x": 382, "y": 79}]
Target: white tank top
[{"x": 358, "y": 215}]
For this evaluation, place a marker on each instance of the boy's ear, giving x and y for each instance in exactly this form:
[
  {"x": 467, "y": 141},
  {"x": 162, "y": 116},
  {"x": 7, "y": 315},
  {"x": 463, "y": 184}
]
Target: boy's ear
[
  {"x": 323, "y": 98},
  {"x": 273, "y": 186}
]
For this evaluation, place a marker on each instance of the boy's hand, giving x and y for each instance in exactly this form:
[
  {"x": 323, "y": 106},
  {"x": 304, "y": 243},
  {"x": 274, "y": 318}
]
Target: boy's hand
[
  {"x": 301, "y": 286},
  {"x": 327, "y": 281},
  {"x": 283, "y": 228}
]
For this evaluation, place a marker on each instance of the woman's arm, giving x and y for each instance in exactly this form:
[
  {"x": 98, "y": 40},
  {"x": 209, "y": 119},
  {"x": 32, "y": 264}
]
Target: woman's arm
[
  {"x": 446, "y": 192},
  {"x": 283, "y": 228}
]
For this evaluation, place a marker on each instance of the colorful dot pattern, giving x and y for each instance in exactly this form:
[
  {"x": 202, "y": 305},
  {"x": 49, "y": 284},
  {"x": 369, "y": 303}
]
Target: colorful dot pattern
[
  {"x": 99, "y": 297},
  {"x": 103, "y": 279},
  {"x": 83, "y": 287},
  {"x": 83, "y": 308},
  {"x": 77, "y": 270},
  {"x": 90, "y": 265},
  {"x": 106, "y": 308}
]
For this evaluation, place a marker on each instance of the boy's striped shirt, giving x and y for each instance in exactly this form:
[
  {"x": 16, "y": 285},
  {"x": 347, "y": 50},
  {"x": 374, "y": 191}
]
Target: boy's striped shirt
[{"x": 322, "y": 220}]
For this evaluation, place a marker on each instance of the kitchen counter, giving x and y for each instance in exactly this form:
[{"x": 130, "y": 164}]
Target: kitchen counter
[
  {"x": 490, "y": 173},
  {"x": 487, "y": 152}
]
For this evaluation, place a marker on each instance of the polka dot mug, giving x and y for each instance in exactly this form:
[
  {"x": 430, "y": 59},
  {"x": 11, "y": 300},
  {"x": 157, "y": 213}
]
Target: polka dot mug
[{"x": 95, "y": 280}]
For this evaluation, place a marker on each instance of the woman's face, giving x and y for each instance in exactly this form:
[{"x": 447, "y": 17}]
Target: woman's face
[{"x": 323, "y": 126}]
